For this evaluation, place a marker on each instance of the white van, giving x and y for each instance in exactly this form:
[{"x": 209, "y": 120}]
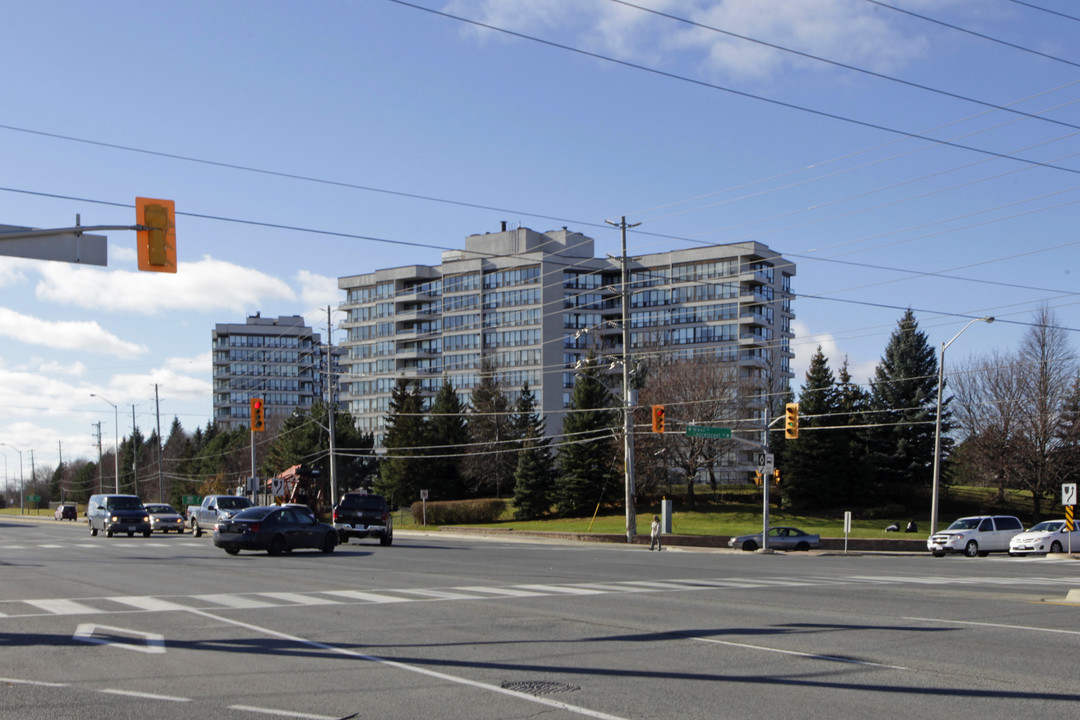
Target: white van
[{"x": 979, "y": 535}]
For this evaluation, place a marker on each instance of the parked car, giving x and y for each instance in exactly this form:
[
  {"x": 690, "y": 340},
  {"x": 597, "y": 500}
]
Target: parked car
[
  {"x": 117, "y": 513},
  {"x": 274, "y": 529},
  {"x": 780, "y": 538},
  {"x": 1049, "y": 536},
  {"x": 164, "y": 518},
  {"x": 361, "y": 515},
  {"x": 66, "y": 511},
  {"x": 978, "y": 535}
]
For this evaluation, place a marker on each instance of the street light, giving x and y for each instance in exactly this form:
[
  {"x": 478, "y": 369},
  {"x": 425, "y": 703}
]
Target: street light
[
  {"x": 20, "y": 473},
  {"x": 116, "y": 427},
  {"x": 937, "y": 423}
]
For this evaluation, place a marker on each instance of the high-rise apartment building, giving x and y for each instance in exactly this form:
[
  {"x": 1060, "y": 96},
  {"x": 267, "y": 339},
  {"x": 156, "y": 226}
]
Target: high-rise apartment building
[
  {"x": 279, "y": 359},
  {"x": 532, "y": 304}
]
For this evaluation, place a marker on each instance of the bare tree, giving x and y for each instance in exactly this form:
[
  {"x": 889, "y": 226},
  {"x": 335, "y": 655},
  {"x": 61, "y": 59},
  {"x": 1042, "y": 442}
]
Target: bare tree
[
  {"x": 1014, "y": 410},
  {"x": 705, "y": 391}
]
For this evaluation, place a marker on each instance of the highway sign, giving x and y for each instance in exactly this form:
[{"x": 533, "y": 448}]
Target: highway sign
[{"x": 700, "y": 431}]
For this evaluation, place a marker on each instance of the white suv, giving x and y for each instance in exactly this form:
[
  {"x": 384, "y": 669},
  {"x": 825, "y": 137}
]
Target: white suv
[{"x": 979, "y": 535}]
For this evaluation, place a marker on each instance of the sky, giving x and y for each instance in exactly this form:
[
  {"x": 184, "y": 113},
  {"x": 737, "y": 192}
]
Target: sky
[{"x": 914, "y": 154}]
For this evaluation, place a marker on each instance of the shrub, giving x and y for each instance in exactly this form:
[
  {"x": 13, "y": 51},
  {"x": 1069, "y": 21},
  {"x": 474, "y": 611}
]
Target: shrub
[{"x": 459, "y": 512}]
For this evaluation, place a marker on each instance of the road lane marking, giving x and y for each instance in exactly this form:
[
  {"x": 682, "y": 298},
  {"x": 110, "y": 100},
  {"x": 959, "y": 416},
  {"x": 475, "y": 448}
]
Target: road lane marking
[
  {"x": 62, "y": 607},
  {"x": 438, "y": 594},
  {"x": 796, "y": 653},
  {"x": 146, "y": 696},
  {"x": 152, "y": 643},
  {"x": 365, "y": 596},
  {"x": 39, "y": 683},
  {"x": 995, "y": 625},
  {"x": 561, "y": 589},
  {"x": 284, "y": 713},
  {"x": 150, "y": 604},
  {"x": 500, "y": 591},
  {"x": 412, "y": 668},
  {"x": 299, "y": 598},
  {"x": 238, "y": 602}
]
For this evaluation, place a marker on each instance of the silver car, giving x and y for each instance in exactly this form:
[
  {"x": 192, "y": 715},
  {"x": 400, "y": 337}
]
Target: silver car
[
  {"x": 780, "y": 538},
  {"x": 163, "y": 518}
]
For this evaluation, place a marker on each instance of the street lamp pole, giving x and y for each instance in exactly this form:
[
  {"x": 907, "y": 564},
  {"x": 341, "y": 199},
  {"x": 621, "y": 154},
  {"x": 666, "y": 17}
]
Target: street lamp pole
[
  {"x": 937, "y": 423},
  {"x": 116, "y": 427}
]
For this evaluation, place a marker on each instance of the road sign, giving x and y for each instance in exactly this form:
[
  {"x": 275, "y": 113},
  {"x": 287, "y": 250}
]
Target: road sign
[
  {"x": 700, "y": 431},
  {"x": 423, "y": 494},
  {"x": 765, "y": 463},
  {"x": 1069, "y": 524},
  {"x": 277, "y": 487},
  {"x": 1068, "y": 494}
]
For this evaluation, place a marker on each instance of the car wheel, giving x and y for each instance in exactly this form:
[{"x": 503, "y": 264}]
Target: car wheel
[
  {"x": 802, "y": 547},
  {"x": 939, "y": 553},
  {"x": 232, "y": 550},
  {"x": 749, "y": 545},
  {"x": 146, "y": 533},
  {"x": 108, "y": 532},
  {"x": 277, "y": 545},
  {"x": 195, "y": 529},
  {"x": 971, "y": 549},
  {"x": 386, "y": 540},
  {"x": 1055, "y": 547},
  {"x": 93, "y": 530},
  {"x": 329, "y": 543}
]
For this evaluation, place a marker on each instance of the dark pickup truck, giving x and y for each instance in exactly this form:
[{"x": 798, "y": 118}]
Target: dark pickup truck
[{"x": 361, "y": 515}]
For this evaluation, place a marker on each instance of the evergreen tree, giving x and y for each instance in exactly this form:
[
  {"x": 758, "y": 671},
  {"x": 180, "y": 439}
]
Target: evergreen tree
[
  {"x": 490, "y": 469},
  {"x": 809, "y": 476},
  {"x": 852, "y": 402},
  {"x": 535, "y": 467},
  {"x": 586, "y": 458},
  {"x": 448, "y": 437},
  {"x": 400, "y": 472},
  {"x": 904, "y": 401}
]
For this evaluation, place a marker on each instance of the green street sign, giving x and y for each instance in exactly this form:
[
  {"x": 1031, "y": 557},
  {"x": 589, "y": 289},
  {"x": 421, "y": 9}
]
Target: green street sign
[
  {"x": 700, "y": 431},
  {"x": 33, "y": 498}
]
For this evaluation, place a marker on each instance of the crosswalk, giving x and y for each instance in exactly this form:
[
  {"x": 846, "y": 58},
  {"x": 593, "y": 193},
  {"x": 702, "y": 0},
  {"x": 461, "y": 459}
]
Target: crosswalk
[{"x": 263, "y": 600}]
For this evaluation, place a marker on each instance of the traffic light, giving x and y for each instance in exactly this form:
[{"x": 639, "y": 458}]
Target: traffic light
[
  {"x": 156, "y": 244},
  {"x": 791, "y": 424},
  {"x": 776, "y": 476},
  {"x": 258, "y": 415},
  {"x": 757, "y": 477},
  {"x": 658, "y": 418}
]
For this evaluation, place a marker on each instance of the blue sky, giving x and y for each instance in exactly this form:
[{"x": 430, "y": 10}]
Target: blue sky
[{"x": 394, "y": 132}]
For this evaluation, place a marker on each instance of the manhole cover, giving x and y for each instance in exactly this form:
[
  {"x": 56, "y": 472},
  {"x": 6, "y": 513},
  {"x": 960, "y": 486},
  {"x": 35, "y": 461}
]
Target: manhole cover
[{"x": 539, "y": 687}]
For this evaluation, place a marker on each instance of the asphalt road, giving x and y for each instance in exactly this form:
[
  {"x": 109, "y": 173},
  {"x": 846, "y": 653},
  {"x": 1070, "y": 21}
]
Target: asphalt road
[{"x": 456, "y": 627}]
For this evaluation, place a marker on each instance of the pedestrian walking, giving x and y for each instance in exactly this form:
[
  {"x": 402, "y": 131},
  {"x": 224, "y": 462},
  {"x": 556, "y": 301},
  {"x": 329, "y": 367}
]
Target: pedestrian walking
[{"x": 655, "y": 538}]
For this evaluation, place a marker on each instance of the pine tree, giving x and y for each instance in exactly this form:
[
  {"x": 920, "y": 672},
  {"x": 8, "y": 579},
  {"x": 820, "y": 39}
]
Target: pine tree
[
  {"x": 809, "y": 475},
  {"x": 535, "y": 468},
  {"x": 490, "y": 469},
  {"x": 852, "y": 402},
  {"x": 587, "y": 455},
  {"x": 904, "y": 402},
  {"x": 400, "y": 472},
  {"x": 448, "y": 437}
]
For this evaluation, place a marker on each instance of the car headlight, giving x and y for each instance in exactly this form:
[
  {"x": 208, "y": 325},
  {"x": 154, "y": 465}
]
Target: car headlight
[{"x": 114, "y": 519}]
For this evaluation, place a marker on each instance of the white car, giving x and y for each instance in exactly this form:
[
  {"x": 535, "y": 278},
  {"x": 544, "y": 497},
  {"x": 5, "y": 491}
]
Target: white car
[
  {"x": 1049, "y": 536},
  {"x": 979, "y": 535}
]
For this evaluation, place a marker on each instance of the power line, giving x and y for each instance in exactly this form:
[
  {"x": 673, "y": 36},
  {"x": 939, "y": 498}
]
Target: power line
[{"x": 740, "y": 93}]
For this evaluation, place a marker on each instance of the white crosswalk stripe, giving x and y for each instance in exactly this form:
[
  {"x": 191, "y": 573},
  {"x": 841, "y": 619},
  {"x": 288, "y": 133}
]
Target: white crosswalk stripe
[{"x": 13, "y": 609}]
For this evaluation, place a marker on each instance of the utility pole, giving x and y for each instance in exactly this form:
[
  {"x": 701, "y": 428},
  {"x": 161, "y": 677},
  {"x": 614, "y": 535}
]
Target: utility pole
[
  {"x": 99, "y": 483},
  {"x": 330, "y": 407},
  {"x": 60, "y": 469},
  {"x": 628, "y": 406},
  {"x": 160, "y": 475},
  {"x": 134, "y": 452}
]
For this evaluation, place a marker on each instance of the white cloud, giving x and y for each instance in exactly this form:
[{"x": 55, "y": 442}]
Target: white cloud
[
  {"x": 854, "y": 33},
  {"x": 75, "y": 369},
  {"x": 65, "y": 335},
  {"x": 318, "y": 290},
  {"x": 806, "y": 344},
  {"x": 205, "y": 284}
]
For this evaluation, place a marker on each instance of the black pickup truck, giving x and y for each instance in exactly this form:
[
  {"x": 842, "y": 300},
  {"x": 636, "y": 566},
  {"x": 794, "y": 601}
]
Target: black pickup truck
[{"x": 361, "y": 515}]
